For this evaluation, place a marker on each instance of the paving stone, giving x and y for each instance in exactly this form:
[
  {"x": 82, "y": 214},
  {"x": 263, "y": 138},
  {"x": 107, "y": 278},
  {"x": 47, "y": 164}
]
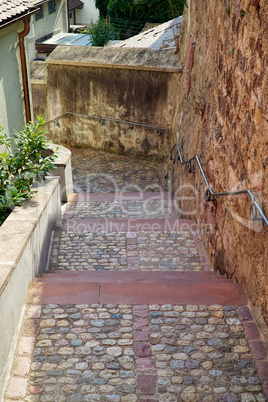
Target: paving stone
[
  {"x": 17, "y": 388},
  {"x": 146, "y": 384},
  {"x": 251, "y": 330},
  {"x": 142, "y": 349},
  {"x": 262, "y": 368},
  {"x": 258, "y": 350}
]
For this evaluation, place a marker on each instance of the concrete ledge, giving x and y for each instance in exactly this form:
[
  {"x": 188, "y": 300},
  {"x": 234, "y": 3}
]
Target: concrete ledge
[
  {"x": 64, "y": 171},
  {"x": 24, "y": 242}
]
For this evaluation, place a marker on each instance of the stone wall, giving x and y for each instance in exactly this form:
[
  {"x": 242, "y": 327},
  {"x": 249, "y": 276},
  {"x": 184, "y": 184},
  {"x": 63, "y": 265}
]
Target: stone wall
[
  {"x": 225, "y": 122},
  {"x": 124, "y": 84}
]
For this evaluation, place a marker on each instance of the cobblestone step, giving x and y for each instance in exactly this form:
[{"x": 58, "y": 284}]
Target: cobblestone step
[
  {"x": 120, "y": 196},
  {"x": 137, "y": 288},
  {"x": 128, "y": 225}
]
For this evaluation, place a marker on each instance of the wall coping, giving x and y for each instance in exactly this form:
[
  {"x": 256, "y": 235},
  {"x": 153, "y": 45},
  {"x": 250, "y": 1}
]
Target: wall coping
[
  {"x": 63, "y": 155},
  {"x": 119, "y": 58}
]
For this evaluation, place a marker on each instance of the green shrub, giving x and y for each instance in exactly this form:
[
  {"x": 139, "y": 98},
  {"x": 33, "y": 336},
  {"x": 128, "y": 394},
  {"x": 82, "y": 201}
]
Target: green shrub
[
  {"x": 129, "y": 16},
  {"x": 101, "y": 32},
  {"x": 22, "y": 164}
]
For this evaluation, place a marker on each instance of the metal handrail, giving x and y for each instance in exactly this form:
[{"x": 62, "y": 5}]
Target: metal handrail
[
  {"x": 102, "y": 119},
  {"x": 210, "y": 194}
]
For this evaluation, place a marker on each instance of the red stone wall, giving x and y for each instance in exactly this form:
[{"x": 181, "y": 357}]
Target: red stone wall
[{"x": 225, "y": 122}]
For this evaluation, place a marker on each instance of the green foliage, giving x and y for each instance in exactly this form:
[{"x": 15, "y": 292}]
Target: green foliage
[
  {"x": 243, "y": 13},
  {"x": 119, "y": 9},
  {"x": 228, "y": 10},
  {"x": 101, "y": 32},
  {"x": 22, "y": 164},
  {"x": 102, "y": 6},
  {"x": 159, "y": 10},
  {"x": 130, "y": 16}
]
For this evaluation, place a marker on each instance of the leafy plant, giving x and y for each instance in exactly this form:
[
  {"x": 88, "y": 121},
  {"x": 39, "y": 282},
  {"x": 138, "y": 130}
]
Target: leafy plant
[
  {"x": 228, "y": 10},
  {"x": 101, "y": 32},
  {"x": 243, "y": 13},
  {"x": 21, "y": 164}
]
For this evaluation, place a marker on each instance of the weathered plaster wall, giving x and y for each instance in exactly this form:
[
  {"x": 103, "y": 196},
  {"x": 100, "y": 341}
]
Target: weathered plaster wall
[
  {"x": 118, "y": 91},
  {"x": 225, "y": 122},
  {"x": 121, "y": 94},
  {"x": 12, "y": 109}
]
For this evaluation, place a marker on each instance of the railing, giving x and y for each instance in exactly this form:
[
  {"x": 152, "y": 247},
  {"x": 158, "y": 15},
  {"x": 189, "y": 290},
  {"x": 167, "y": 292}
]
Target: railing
[
  {"x": 159, "y": 130},
  {"x": 256, "y": 213}
]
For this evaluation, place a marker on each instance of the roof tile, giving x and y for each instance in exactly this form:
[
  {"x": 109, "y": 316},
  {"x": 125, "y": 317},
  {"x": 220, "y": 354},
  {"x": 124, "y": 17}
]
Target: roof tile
[
  {"x": 73, "y": 4},
  {"x": 10, "y": 9}
]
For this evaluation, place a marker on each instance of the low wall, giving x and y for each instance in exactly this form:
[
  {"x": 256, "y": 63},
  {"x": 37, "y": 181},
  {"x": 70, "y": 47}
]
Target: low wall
[
  {"x": 138, "y": 85},
  {"x": 24, "y": 242}
]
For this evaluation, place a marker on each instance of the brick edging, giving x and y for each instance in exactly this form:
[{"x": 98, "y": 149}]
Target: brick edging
[{"x": 257, "y": 346}]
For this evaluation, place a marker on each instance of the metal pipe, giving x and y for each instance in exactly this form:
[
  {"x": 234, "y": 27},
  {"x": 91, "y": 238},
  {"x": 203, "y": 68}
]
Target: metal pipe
[
  {"x": 101, "y": 119},
  {"x": 22, "y": 34},
  {"x": 212, "y": 194}
]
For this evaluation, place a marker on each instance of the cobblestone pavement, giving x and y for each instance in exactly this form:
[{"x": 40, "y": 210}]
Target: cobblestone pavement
[
  {"x": 100, "y": 172},
  {"x": 123, "y": 210},
  {"x": 140, "y": 352},
  {"x": 110, "y": 251}
]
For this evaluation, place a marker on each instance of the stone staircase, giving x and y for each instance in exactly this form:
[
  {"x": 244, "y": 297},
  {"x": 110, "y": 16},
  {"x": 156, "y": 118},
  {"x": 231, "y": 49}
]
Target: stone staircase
[
  {"x": 130, "y": 284},
  {"x": 130, "y": 310}
]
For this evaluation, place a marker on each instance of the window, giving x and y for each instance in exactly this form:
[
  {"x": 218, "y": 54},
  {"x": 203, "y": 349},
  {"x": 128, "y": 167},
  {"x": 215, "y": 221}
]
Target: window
[
  {"x": 39, "y": 15},
  {"x": 51, "y": 6}
]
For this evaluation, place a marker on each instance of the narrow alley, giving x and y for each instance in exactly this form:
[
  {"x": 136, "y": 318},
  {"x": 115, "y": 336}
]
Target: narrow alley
[{"x": 130, "y": 309}]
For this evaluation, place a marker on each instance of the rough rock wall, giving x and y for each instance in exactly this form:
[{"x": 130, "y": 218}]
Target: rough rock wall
[
  {"x": 132, "y": 95},
  {"x": 225, "y": 122}
]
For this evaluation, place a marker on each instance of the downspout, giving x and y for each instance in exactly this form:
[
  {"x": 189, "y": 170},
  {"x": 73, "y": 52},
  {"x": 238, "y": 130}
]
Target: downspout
[
  {"x": 22, "y": 35},
  {"x": 68, "y": 19}
]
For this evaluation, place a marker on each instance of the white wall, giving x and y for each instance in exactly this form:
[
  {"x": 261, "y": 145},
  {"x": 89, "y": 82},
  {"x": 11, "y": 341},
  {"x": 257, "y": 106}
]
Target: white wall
[
  {"x": 87, "y": 14},
  {"x": 12, "y": 109},
  {"x": 57, "y": 21}
]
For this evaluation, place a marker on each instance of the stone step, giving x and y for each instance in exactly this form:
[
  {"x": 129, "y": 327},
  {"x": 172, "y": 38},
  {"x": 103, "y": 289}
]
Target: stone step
[
  {"x": 128, "y": 225},
  {"x": 120, "y": 196},
  {"x": 130, "y": 291},
  {"x": 134, "y": 276}
]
